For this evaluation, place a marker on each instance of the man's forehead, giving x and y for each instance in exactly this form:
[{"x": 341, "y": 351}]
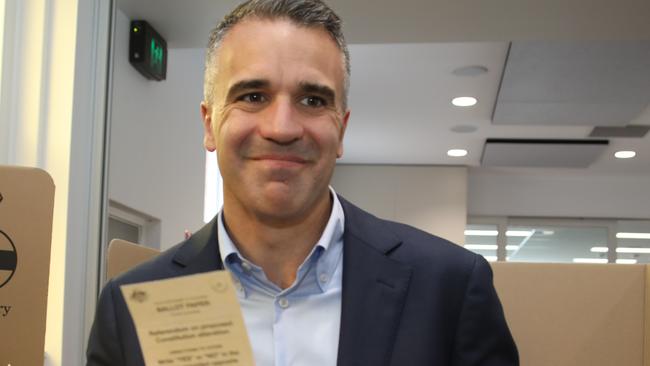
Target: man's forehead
[
  {"x": 263, "y": 49},
  {"x": 284, "y": 24}
]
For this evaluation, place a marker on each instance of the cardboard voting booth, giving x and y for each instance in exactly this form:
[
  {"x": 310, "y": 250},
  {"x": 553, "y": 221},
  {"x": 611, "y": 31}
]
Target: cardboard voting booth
[
  {"x": 124, "y": 255},
  {"x": 577, "y": 314},
  {"x": 26, "y": 208}
]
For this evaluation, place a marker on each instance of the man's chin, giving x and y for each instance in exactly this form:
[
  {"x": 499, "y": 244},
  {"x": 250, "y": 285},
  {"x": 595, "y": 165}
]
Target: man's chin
[{"x": 284, "y": 206}]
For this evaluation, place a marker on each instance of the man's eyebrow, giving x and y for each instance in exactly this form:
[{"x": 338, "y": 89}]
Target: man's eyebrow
[
  {"x": 243, "y": 85},
  {"x": 322, "y": 90}
]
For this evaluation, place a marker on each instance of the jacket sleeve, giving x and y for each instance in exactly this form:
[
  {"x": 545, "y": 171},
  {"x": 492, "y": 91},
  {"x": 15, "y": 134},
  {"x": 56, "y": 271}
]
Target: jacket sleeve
[
  {"x": 483, "y": 337},
  {"x": 104, "y": 348}
]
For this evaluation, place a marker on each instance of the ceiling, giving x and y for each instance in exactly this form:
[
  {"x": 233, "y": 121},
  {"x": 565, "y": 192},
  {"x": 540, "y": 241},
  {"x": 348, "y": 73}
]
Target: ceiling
[{"x": 403, "y": 57}]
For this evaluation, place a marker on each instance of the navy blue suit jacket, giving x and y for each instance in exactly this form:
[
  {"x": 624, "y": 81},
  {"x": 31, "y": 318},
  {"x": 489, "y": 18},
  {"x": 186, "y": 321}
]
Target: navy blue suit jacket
[{"x": 409, "y": 299}]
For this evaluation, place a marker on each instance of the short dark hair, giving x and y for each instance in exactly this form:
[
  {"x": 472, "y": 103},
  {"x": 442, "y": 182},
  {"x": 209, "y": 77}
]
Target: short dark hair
[{"x": 309, "y": 13}]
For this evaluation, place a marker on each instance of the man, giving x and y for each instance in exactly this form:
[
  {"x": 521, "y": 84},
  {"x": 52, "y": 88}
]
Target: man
[{"x": 320, "y": 281}]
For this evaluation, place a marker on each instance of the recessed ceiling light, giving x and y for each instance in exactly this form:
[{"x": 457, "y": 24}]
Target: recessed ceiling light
[
  {"x": 457, "y": 153},
  {"x": 625, "y": 154},
  {"x": 464, "y": 101}
]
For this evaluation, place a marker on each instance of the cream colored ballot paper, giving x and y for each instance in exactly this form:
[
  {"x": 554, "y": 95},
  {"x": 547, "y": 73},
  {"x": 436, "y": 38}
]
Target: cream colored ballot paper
[{"x": 189, "y": 321}]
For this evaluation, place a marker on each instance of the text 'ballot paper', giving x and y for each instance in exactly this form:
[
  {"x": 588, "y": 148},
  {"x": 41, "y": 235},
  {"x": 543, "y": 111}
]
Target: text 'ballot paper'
[{"x": 189, "y": 321}]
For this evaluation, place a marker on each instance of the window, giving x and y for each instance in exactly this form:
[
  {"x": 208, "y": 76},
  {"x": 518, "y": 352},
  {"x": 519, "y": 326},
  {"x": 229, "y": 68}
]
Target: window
[
  {"x": 554, "y": 243},
  {"x": 633, "y": 241},
  {"x": 559, "y": 240},
  {"x": 213, "y": 191},
  {"x": 118, "y": 229},
  {"x": 128, "y": 224},
  {"x": 482, "y": 239}
]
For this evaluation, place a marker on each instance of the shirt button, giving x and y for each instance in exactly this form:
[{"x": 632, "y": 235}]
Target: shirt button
[
  {"x": 283, "y": 302},
  {"x": 246, "y": 266},
  {"x": 323, "y": 278}
]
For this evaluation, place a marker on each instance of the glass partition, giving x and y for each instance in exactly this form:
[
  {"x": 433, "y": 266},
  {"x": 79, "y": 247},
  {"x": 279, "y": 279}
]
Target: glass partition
[
  {"x": 482, "y": 239},
  {"x": 559, "y": 244}
]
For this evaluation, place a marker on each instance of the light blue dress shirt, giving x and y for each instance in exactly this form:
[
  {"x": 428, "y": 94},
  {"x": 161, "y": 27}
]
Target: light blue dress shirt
[{"x": 297, "y": 326}]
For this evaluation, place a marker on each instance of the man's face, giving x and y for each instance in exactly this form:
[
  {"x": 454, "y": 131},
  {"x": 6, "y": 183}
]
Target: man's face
[{"x": 276, "y": 120}]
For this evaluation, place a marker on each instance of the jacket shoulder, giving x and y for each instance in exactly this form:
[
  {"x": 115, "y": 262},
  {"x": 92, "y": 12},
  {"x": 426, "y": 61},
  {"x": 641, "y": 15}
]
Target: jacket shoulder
[{"x": 414, "y": 246}]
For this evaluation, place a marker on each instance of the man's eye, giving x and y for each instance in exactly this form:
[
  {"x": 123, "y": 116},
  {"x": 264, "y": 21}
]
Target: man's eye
[
  {"x": 253, "y": 98},
  {"x": 313, "y": 101}
]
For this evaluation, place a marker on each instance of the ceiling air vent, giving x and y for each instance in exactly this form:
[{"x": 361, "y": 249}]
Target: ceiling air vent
[
  {"x": 627, "y": 131},
  {"x": 542, "y": 153}
]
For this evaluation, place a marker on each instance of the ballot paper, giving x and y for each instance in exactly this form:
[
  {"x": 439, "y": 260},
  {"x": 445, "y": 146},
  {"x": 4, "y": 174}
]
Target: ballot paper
[{"x": 189, "y": 321}]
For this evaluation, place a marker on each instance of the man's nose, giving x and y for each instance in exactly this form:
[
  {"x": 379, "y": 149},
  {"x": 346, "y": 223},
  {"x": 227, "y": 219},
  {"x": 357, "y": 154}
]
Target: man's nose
[{"x": 282, "y": 123}]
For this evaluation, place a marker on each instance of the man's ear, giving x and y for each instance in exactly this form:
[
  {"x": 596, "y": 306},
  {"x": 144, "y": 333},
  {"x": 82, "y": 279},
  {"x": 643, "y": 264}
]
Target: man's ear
[
  {"x": 208, "y": 138},
  {"x": 344, "y": 125}
]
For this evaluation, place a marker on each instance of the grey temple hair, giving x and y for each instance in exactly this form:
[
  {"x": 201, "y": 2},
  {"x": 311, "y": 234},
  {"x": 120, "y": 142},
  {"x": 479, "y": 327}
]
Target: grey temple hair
[{"x": 308, "y": 13}]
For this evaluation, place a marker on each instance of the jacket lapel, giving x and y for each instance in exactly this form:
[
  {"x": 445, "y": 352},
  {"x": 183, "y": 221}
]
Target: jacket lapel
[
  {"x": 374, "y": 290},
  {"x": 200, "y": 253}
]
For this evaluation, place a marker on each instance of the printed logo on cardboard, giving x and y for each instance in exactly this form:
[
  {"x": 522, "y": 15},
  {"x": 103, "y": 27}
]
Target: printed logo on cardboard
[{"x": 8, "y": 258}]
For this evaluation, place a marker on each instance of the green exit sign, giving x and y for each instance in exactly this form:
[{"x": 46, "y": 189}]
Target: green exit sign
[{"x": 147, "y": 51}]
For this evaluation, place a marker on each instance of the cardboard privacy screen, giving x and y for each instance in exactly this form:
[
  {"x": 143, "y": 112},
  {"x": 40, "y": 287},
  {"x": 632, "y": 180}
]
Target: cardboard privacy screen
[
  {"x": 124, "y": 255},
  {"x": 26, "y": 206}
]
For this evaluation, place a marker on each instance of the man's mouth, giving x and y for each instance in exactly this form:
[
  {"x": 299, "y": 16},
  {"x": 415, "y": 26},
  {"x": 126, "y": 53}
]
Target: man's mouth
[{"x": 280, "y": 158}]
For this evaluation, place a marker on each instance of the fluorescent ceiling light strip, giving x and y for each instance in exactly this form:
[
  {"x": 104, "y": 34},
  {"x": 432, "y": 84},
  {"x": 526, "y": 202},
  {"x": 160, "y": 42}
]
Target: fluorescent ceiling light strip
[
  {"x": 489, "y": 247},
  {"x": 633, "y": 235},
  {"x": 589, "y": 260},
  {"x": 481, "y": 246},
  {"x": 490, "y": 258},
  {"x": 622, "y": 250},
  {"x": 633, "y": 250},
  {"x": 481, "y": 233},
  {"x": 519, "y": 233},
  {"x": 599, "y": 249},
  {"x": 626, "y": 261}
]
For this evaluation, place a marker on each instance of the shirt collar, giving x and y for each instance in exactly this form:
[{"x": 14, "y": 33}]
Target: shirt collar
[{"x": 332, "y": 234}]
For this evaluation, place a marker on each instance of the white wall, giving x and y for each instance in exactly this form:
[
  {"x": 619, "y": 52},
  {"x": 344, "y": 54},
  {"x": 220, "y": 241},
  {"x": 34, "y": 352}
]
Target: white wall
[
  {"x": 431, "y": 198},
  {"x": 557, "y": 193},
  {"x": 157, "y": 162}
]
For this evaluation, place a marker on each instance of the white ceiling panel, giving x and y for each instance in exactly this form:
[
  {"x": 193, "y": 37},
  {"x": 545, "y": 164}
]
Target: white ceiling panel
[{"x": 590, "y": 83}]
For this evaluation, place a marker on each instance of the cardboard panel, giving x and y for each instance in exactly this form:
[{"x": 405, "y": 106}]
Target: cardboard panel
[
  {"x": 574, "y": 314},
  {"x": 26, "y": 208},
  {"x": 124, "y": 255}
]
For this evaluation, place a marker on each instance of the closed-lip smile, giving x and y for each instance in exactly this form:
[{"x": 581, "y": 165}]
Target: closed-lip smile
[{"x": 281, "y": 158}]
